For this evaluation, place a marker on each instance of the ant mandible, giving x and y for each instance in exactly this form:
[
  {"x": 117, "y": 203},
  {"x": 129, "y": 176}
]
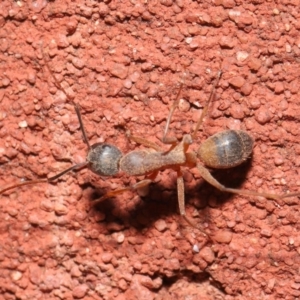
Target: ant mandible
[{"x": 223, "y": 150}]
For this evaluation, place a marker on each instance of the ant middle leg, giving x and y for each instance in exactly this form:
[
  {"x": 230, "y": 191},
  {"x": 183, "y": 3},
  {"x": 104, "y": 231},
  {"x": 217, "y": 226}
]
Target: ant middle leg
[{"x": 181, "y": 203}]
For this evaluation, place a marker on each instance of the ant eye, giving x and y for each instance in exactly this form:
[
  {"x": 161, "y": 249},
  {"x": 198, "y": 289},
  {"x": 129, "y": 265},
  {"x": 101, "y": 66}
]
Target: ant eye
[{"x": 104, "y": 159}]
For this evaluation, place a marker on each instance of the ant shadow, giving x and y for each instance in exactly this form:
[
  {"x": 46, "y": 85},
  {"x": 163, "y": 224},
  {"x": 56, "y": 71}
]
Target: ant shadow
[
  {"x": 137, "y": 211},
  {"x": 161, "y": 201}
]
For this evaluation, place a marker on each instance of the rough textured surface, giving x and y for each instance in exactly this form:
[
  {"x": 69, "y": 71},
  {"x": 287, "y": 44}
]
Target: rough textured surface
[{"x": 122, "y": 61}]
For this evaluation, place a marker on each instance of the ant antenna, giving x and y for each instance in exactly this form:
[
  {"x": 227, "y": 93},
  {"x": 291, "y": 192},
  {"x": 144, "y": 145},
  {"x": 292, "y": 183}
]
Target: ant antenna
[
  {"x": 82, "y": 126},
  {"x": 173, "y": 140},
  {"x": 60, "y": 87},
  {"x": 74, "y": 167},
  {"x": 48, "y": 180}
]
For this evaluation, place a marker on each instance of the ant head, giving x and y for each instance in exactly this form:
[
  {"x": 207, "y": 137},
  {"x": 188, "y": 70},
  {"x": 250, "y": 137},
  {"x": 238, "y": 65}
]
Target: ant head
[{"x": 104, "y": 159}]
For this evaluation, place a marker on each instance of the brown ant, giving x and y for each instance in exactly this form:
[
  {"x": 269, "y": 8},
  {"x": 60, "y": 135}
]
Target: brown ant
[{"x": 223, "y": 150}]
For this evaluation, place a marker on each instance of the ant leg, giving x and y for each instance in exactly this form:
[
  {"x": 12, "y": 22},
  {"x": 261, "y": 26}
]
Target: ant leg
[
  {"x": 142, "y": 141},
  {"x": 181, "y": 202},
  {"x": 210, "y": 179},
  {"x": 111, "y": 194},
  {"x": 205, "y": 109}
]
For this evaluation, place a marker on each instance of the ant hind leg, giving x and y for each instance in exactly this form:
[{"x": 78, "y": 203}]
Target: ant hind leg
[{"x": 211, "y": 180}]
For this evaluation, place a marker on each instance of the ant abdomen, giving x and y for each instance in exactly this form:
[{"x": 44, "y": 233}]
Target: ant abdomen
[
  {"x": 104, "y": 159},
  {"x": 226, "y": 149}
]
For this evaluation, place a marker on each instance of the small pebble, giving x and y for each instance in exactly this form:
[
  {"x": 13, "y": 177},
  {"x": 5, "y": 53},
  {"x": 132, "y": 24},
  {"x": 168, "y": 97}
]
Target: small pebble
[
  {"x": 80, "y": 291},
  {"x": 5, "y": 82},
  {"x": 237, "y": 81},
  {"x": 119, "y": 237},
  {"x": 254, "y": 103},
  {"x": 266, "y": 232},
  {"x": 246, "y": 89},
  {"x": 31, "y": 77},
  {"x": 263, "y": 115},
  {"x": 34, "y": 219},
  {"x": 254, "y": 63},
  {"x": 278, "y": 160},
  {"x": 78, "y": 63},
  {"x": 12, "y": 212},
  {"x": 127, "y": 83},
  {"x": 118, "y": 70},
  {"x": 236, "y": 111},
  {"x": 278, "y": 88},
  {"x": 60, "y": 209},
  {"x": 16, "y": 275},
  {"x": 160, "y": 225},
  {"x": 72, "y": 26},
  {"x": 207, "y": 254},
  {"x": 242, "y": 55},
  {"x": 183, "y": 105},
  {"x": 106, "y": 257},
  {"x": 227, "y": 42},
  {"x": 196, "y": 248},
  {"x": 134, "y": 76},
  {"x": 23, "y": 124},
  {"x": 223, "y": 236}
]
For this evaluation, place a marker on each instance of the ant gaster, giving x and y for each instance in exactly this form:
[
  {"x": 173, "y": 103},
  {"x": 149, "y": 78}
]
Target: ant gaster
[{"x": 223, "y": 150}]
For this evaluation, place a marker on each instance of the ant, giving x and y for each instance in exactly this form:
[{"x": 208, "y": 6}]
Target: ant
[{"x": 223, "y": 150}]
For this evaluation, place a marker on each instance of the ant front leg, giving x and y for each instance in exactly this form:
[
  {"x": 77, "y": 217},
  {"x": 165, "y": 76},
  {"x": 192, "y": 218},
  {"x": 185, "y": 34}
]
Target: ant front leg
[{"x": 134, "y": 187}]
